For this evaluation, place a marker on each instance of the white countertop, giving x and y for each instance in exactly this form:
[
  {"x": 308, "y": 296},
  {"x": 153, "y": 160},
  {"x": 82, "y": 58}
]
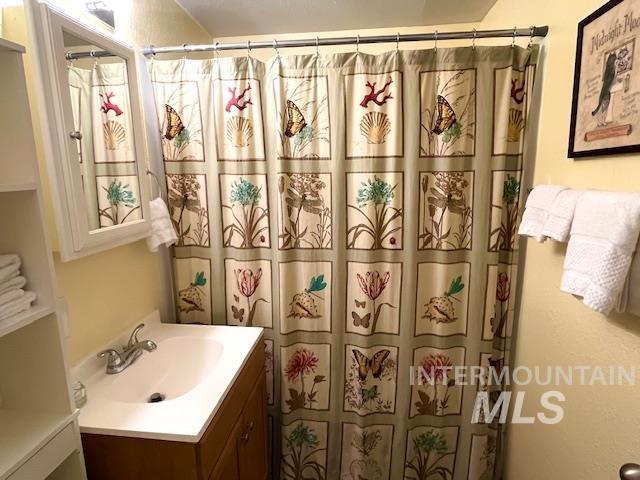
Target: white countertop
[{"x": 182, "y": 418}]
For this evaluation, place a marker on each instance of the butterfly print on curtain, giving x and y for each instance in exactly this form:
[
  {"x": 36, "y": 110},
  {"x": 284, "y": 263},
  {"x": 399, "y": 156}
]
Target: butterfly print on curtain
[
  {"x": 370, "y": 379},
  {"x": 446, "y": 210},
  {"x": 505, "y": 212},
  {"x": 248, "y": 292},
  {"x": 366, "y": 452},
  {"x": 448, "y": 116},
  {"x": 245, "y": 211},
  {"x": 303, "y": 118},
  {"x": 374, "y": 210},
  {"x": 188, "y": 208},
  {"x": 431, "y": 453},
  {"x": 374, "y": 114},
  {"x": 238, "y": 116},
  {"x": 304, "y": 451},
  {"x": 180, "y": 117},
  {"x": 306, "y": 373},
  {"x": 304, "y": 210}
]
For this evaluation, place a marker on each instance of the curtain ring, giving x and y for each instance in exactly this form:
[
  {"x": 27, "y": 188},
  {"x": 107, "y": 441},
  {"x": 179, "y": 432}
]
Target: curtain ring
[
  {"x": 216, "y": 50},
  {"x": 184, "y": 50},
  {"x": 513, "y": 40},
  {"x": 435, "y": 45},
  {"x": 398, "y": 42},
  {"x": 92, "y": 54},
  {"x": 248, "y": 48},
  {"x": 358, "y": 44},
  {"x": 473, "y": 43},
  {"x": 532, "y": 30},
  {"x": 275, "y": 47},
  {"x": 317, "y": 46}
]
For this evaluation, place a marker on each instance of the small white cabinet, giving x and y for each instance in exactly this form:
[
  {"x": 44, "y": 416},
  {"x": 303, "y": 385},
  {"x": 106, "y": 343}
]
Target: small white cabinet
[{"x": 39, "y": 435}]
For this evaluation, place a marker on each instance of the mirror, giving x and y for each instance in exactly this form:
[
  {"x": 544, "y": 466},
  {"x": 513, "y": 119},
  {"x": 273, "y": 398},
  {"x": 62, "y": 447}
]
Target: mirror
[
  {"x": 103, "y": 133},
  {"x": 95, "y": 140}
]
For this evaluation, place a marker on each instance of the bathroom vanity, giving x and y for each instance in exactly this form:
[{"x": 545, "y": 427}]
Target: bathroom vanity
[{"x": 211, "y": 423}]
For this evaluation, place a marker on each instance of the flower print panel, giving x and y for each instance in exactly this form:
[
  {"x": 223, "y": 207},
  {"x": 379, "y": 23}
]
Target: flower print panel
[
  {"x": 505, "y": 214},
  {"x": 118, "y": 199},
  {"x": 193, "y": 295},
  {"x": 268, "y": 368},
  {"x": 442, "y": 298},
  {"x": 445, "y": 219},
  {"x": 306, "y": 375},
  {"x": 482, "y": 458},
  {"x": 435, "y": 392},
  {"x": 431, "y": 453},
  {"x": 374, "y": 114},
  {"x": 500, "y": 304},
  {"x": 373, "y": 297},
  {"x": 188, "y": 208},
  {"x": 448, "y": 113},
  {"x": 248, "y": 292},
  {"x": 305, "y": 296},
  {"x": 238, "y": 114},
  {"x": 245, "y": 211},
  {"x": 302, "y": 117},
  {"x": 304, "y": 210},
  {"x": 304, "y": 451},
  {"x": 370, "y": 379},
  {"x": 366, "y": 452},
  {"x": 374, "y": 210}
]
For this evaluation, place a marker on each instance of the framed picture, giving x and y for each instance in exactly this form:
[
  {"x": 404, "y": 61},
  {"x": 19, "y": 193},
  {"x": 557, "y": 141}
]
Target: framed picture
[{"x": 605, "y": 116}]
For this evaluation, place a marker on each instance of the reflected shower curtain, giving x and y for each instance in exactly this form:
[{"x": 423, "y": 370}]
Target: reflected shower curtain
[{"x": 363, "y": 210}]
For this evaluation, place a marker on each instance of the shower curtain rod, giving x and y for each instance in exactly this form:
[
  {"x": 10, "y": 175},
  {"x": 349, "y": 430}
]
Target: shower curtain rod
[{"x": 324, "y": 42}]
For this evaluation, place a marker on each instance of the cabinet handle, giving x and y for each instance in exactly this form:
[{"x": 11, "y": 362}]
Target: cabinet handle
[
  {"x": 251, "y": 426},
  {"x": 76, "y": 135}
]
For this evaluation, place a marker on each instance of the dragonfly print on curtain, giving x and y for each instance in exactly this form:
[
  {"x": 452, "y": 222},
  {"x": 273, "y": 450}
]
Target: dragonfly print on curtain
[{"x": 363, "y": 210}]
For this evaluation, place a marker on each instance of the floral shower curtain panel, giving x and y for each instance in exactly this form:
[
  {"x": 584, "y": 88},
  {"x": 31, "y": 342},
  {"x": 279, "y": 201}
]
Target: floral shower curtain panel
[{"x": 363, "y": 210}]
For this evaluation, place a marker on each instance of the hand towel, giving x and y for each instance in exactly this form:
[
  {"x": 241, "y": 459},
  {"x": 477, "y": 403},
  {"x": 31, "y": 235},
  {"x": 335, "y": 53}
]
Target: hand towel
[
  {"x": 10, "y": 295},
  {"x": 15, "y": 282},
  {"x": 162, "y": 231},
  {"x": 17, "y": 306},
  {"x": 9, "y": 259},
  {"x": 537, "y": 210},
  {"x": 604, "y": 235},
  {"x": 9, "y": 272},
  {"x": 631, "y": 295},
  {"x": 558, "y": 223}
]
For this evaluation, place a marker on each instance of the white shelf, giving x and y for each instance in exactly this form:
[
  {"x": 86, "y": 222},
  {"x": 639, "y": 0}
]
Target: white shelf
[
  {"x": 19, "y": 187},
  {"x": 24, "y": 433},
  {"x": 11, "y": 46},
  {"x": 22, "y": 319}
]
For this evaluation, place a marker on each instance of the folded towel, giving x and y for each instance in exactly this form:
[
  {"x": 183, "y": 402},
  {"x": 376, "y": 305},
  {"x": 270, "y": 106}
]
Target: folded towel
[
  {"x": 162, "y": 231},
  {"x": 537, "y": 210},
  {"x": 18, "y": 305},
  {"x": 10, "y": 295},
  {"x": 558, "y": 223},
  {"x": 9, "y": 272},
  {"x": 15, "y": 282},
  {"x": 604, "y": 235},
  {"x": 9, "y": 259}
]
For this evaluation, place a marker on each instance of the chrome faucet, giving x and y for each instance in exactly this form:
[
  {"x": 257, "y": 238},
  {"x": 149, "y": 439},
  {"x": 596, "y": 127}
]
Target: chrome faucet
[{"x": 119, "y": 361}]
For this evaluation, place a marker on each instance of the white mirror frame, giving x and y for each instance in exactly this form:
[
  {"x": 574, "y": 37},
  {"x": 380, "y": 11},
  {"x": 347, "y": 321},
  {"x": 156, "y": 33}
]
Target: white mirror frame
[{"x": 46, "y": 24}]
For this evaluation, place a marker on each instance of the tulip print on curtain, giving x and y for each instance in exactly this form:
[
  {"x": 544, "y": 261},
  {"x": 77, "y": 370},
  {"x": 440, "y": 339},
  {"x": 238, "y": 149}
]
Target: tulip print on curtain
[{"x": 363, "y": 210}]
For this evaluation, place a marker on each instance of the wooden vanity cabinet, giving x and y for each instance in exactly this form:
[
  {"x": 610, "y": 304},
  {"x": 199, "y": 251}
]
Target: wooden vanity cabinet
[{"x": 234, "y": 446}]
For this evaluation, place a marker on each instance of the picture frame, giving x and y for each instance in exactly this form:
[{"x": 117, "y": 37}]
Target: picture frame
[{"x": 605, "y": 112}]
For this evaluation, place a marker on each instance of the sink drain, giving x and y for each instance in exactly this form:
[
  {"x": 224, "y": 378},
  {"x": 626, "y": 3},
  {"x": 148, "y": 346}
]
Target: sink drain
[{"x": 156, "y": 397}]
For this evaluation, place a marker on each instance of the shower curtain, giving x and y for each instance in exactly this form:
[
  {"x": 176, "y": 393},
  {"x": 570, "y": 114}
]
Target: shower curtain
[{"x": 363, "y": 210}]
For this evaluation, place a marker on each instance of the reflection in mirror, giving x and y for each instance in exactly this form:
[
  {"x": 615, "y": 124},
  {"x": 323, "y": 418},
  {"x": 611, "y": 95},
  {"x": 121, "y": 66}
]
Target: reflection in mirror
[{"x": 103, "y": 132}]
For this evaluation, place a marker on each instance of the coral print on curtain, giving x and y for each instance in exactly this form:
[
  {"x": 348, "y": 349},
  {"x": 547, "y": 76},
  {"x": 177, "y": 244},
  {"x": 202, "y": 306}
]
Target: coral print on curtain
[{"x": 363, "y": 210}]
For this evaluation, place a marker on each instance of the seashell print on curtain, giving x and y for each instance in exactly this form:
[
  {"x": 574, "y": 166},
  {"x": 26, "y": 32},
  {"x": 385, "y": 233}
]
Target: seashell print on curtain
[{"x": 362, "y": 210}]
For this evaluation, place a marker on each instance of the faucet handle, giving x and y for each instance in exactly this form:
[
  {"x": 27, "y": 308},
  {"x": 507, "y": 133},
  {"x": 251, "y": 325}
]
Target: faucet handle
[
  {"x": 133, "y": 339},
  {"x": 113, "y": 357}
]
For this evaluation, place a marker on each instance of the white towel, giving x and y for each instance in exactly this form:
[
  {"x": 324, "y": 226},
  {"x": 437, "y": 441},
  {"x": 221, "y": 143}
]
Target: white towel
[
  {"x": 15, "y": 282},
  {"x": 10, "y": 295},
  {"x": 17, "y": 306},
  {"x": 604, "y": 235},
  {"x": 537, "y": 210},
  {"x": 162, "y": 231},
  {"x": 9, "y": 272},
  {"x": 558, "y": 223},
  {"x": 9, "y": 259}
]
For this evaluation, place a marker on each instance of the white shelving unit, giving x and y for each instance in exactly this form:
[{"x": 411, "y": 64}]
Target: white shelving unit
[{"x": 39, "y": 434}]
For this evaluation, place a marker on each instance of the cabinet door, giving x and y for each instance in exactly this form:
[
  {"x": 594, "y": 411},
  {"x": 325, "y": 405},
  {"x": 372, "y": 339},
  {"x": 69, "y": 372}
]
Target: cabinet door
[
  {"x": 253, "y": 439},
  {"x": 227, "y": 466}
]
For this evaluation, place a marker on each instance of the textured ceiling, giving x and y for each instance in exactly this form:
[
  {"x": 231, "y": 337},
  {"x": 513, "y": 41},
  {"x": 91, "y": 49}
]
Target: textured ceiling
[{"x": 256, "y": 17}]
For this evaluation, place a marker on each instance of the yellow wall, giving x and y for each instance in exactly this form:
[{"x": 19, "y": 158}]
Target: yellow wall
[
  {"x": 601, "y": 424},
  {"x": 109, "y": 291}
]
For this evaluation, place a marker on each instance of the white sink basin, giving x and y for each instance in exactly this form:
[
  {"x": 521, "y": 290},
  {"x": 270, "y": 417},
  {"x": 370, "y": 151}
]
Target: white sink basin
[
  {"x": 194, "y": 367},
  {"x": 176, "y": 367}
]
